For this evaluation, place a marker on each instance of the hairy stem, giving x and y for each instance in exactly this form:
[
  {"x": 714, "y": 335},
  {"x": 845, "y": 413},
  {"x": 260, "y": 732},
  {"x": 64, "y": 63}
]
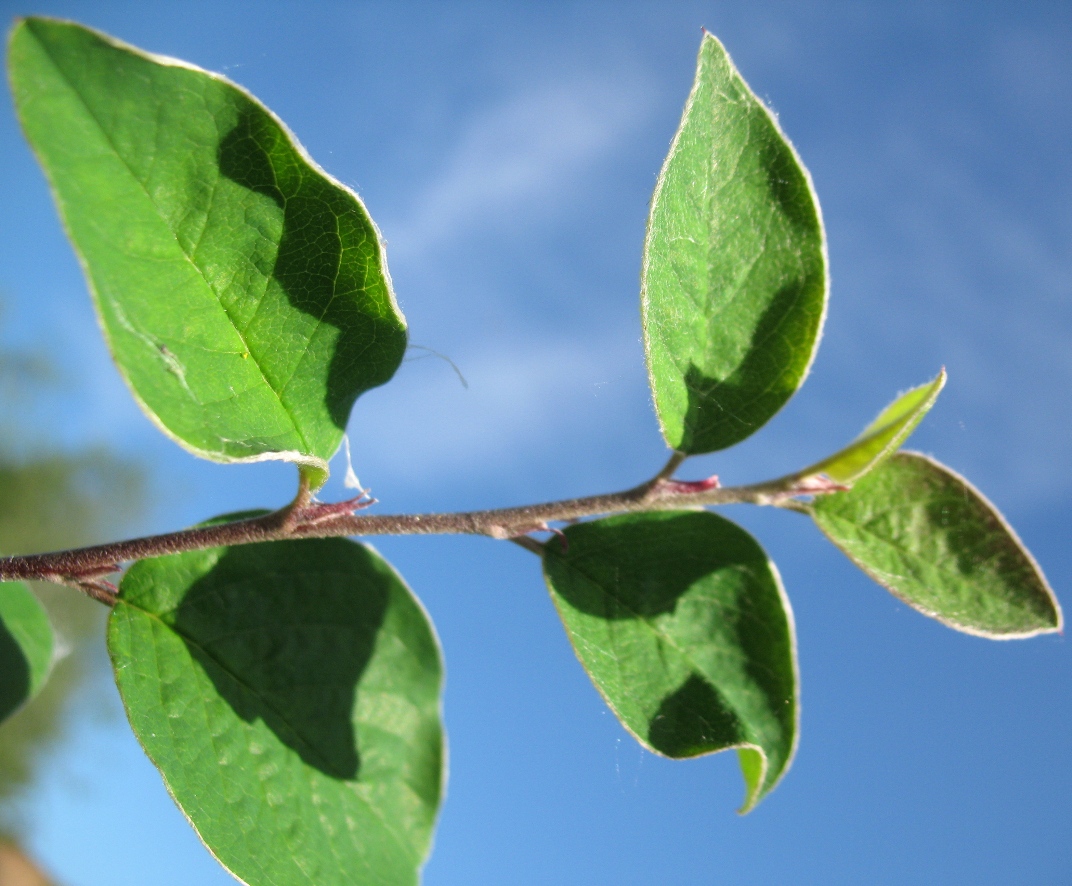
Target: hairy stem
[{"x": 304, "y": 518}]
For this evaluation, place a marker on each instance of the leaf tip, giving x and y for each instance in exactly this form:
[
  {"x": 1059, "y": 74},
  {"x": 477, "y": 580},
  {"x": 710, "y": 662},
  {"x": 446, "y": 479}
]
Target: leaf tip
[
  {"x": 754, "y": 763},
  {"x": 18, "y": 25},
  {"x": 30, "y": 23},
  {"x": 1058, "y": 625}
]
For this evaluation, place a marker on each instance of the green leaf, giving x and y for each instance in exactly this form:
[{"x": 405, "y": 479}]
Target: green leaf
[
  {"x": 243, "y": 292},
  {"x": 682, "y": 624},
  {"x": 289, "y": 693},
  {"x": 733, "y": 287},
  {"x": 932, "y": 539},
  {"x": 25, "y": 646},
  {"x": 882, "y": 437}
]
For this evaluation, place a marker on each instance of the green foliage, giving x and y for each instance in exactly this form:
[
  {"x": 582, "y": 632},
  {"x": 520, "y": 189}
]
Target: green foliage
[
  {"x": 244, "y": 294},
  {"x": 882, "y": 437},
  {"x": 289, "y": 691},
  {"x": 930, "y": 537},
  {"x": 682, "y": 624},
  {"x": 734, "y": 282},
  {"x": 289, "y": 694},
  {"x": 25, "y": 646}
]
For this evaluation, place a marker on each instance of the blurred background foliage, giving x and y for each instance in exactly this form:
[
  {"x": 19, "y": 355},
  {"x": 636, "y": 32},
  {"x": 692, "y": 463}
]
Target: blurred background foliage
[{"x": 52, "y": 499}]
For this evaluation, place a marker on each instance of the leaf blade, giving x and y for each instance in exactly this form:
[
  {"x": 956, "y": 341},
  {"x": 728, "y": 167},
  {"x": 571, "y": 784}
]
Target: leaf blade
[
  {"x": 734, "y": 283},
  {"x": 935, "y": 542},
  {"x": 884, "y": 436},
  {"x": 243, "y": 292},
  {"x": 682, "y": 624},
  {"x": 290, "y": 696},
  {"x": 26, "y": 645}
]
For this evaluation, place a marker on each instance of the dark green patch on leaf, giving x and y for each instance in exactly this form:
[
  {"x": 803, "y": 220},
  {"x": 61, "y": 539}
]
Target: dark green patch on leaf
[
  {"x": 25, "y": 646},
  {"x": 932, "y": 539},
  {"x": 243, "y": 292},
  {"x": 289, "y": 693},
  {"x": 681, "y": 622},
  {"x": 733, "y": 288}
]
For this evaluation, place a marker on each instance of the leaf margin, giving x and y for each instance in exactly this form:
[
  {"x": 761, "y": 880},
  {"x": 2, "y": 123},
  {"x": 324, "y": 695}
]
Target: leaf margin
[
  {"x": 311, "y": 467},
  {"x": 646, "y": 251},
  {"x": 38, "y": 671},
  {"x": 749, "y": 754},
  {"x": 1057, "y": 628},
  {"x": 908, "y": 424},
  {"x": 218, "y": 553}
]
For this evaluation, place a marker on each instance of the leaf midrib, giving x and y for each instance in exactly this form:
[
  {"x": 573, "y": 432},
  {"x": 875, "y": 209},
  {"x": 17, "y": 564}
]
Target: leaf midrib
[
  {"x": 189, "y": 258},
  {"x": 907, "y": 554}
]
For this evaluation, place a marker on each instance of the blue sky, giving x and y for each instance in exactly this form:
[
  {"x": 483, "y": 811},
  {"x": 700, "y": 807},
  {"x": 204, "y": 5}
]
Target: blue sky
[{"x": 508, "y": 153}]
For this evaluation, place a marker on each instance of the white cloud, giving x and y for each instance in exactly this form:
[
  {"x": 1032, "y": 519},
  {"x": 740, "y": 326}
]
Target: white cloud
[
  {"x": 516, "y": 159},
  {"x": 524, "y": 398}
]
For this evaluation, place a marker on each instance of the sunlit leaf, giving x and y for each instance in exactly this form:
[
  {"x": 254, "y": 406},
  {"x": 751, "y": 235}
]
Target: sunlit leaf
[
  {"x": 733, "y": 287},
  {"x": 934, "y": 541},
  {"x": 882, "y": 437},
  {"x": 25, "y": 646},
  {"x": 243, "y": 292},
  {"x": 289, "y": 693},
  {"x": 682, "y": 624}
]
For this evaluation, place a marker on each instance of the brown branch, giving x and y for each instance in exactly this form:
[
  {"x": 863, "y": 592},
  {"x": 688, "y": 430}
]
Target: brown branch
[{"x": 303, "y": 518}]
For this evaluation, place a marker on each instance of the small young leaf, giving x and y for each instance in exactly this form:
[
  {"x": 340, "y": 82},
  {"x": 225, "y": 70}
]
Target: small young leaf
[
  {"x": 25, "y": 646},
  {"x": 931, "y": 539},
  {"x": 682, "y": 624},
  {"x": 882, "y": 437},
  {"x": 244, "y": 293},
  {"x": 289, "y": 693},
  {"x": 733, "y": 286}
]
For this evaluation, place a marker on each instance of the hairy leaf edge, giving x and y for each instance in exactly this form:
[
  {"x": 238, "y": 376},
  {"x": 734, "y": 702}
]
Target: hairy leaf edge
[
  {"x": 875, "y": 576},
  {"x": 56, "y": 650},
  {"x": 443, "y": 732},
  {"x": 661, "y": 181},
  {"x": 752, "y": 794},
  {"x": 936, "y": 385},
  {"x": 317, "y": 468}
]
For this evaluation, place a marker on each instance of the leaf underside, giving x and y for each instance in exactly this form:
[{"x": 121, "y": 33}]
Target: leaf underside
[
  {"x": 680, "y": 620},
  {"x": 25, "y": 646},
  {"x": 928, "y": 536},
  {"x": 244, "y": 293},
  {"x": 734, "y": 283},
  {"x": 289, "y": 694}
]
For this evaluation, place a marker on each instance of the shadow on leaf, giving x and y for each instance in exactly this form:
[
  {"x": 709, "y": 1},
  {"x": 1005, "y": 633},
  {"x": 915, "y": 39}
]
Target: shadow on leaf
[
  {"x": 643, "y": 568},
  {"x": 15, "y": 680},
  {"x": 687, "y": 605},
  {"x": 325, "y": 250},
  {"x": 788, "y": 185},
  {"x": 693, "y": 720},
  {"x": 724, "y": 411},
  {"x": 285, "y": 637}
]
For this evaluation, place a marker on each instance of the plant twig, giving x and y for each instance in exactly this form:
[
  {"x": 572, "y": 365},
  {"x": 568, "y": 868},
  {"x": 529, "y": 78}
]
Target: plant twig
[
  {"x": 305, "y": 518},
  {"x": 675, "y": 461}
]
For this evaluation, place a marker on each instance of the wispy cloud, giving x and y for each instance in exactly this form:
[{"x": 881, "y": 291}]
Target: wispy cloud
[
  {"x": 525, "y": 399},
  {"x": 518, "y": 166},
  {"x": 515, "y": 160},
  {"x": 974, "y": 272}
]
